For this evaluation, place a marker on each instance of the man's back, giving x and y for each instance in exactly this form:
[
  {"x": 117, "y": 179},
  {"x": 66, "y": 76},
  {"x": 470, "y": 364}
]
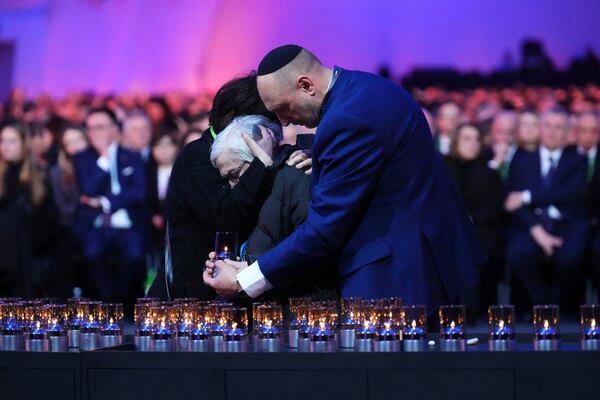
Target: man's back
[{"x": 382, "y": 202}]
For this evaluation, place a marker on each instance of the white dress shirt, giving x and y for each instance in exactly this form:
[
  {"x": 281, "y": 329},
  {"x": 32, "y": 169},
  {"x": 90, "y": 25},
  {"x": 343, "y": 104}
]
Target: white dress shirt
[{"x": 547, "y": 158}]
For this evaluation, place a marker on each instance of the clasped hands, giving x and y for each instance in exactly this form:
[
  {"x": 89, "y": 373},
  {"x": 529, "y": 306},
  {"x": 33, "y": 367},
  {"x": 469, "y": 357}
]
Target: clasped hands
[{"x": 221, "y": 275}]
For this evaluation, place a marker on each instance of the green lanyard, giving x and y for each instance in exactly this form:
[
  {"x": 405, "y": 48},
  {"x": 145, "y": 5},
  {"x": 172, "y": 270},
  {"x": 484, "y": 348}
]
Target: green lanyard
[{"x": 212, "y": 132}]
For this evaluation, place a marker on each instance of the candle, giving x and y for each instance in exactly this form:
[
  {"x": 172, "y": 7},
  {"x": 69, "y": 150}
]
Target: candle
[
  {"x": 111, "y": 329},
  {"x": 387, "y": 333},
  {"x": 224, "y": 254},
  {"x": 503, "y": 332},
  {"x": 162, "y": 332},
  {"x": 453, "y": 332},
  {"x": 199, "y": 333},
  {"x": 37, "y": 332},
  {"x": 366, "y": 332},
  {"x": 234, "y": 333},
  {"x": 414, "y": 332},
  {"x": 547, "y": 331},
  {"x": 593, "y": 331},
  {"x": 268, "y": 331}
]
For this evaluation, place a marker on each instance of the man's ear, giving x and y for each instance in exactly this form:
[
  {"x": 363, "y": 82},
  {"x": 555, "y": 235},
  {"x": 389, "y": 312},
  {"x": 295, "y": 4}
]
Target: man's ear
[{"x": 306, "y": 84}]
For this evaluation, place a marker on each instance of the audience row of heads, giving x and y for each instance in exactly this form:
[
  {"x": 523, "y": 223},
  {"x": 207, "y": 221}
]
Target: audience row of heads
[{"x": 527, "y": 129}]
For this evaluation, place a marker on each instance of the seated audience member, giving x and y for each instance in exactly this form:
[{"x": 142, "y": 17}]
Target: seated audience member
[
  {"x": 164, "y": 152},
  {"x": 528, "y": 131},
  {"x": 503, "y": 146},
  {"x": 69, "y": 268},
  {"x": 447, "y": 121},
  {"x": 26, "y": 213},
  {"x": 287, "y": 205},
  {"x": 587, "y": 129},
  {"x": 137, "y": 134},
  {"x": 549, "y": 228},
  {"x": 481, "y": 189},
  {"x": 112, "y": 183}
]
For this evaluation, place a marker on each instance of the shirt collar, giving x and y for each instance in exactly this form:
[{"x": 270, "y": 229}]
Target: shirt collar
[
  {"x": 555, "y": 155},
  {"x": 591, "y": 153}
]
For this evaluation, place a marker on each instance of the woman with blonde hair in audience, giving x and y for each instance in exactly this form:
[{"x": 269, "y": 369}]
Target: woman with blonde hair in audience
[{"x": 26, "y": 213}]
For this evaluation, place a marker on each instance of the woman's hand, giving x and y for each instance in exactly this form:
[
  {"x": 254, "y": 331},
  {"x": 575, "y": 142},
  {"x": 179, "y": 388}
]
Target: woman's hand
[{"x": 302, "y": 160}]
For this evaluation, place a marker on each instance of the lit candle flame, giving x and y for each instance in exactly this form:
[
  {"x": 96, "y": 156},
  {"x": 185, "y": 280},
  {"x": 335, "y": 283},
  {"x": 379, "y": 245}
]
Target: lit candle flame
[
  {"x": 366, "y": 324},
  {"x": 452, "y": 325},
  {"x": 414, "y": 324},
  {"x": 387, "y": 326},
  {"x": 37, "y": 325},
  {"x": 162, "y": 325},
  {"x": 501, "y": 324},
  {"x": 110, "y": 321},
  {"x": 546, "y": 324},
  {"x": 225, "y": 249},
  {"x": 233, "y": 325},
  {"x": 593, "y": 323},
  {"x": 269, "y": 323},
  {"x": 147, "y": 322},
  {"x": 91, "y": 318},
  {"x": 322, "y": 325}
]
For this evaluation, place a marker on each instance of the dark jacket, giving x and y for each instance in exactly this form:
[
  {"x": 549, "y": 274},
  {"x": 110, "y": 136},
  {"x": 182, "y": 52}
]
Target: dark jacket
[
  {"x": 200, "y": 203},
  {"x": 26, "y": 231},
  {"x": 566, "y": 192},
  {"x": 94, "y": 182},
  {"x": 282, "y": 212},
  {"x": 382, "y": 203}
]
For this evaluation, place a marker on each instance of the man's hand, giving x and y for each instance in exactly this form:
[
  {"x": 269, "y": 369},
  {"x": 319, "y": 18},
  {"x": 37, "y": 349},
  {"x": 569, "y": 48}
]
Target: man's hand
[
  {"x": 224, "y": 280},
  {"x": 93, "y": 202},
  {"x": 500, "y": 152},
  {"x": 302, "y": 160},
  {"x": 257, "y": 151},
  {"x": 513, "y": 201},
  {"x": 545, "y": 240}
]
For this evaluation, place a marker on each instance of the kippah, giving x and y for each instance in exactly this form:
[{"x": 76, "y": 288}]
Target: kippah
[{"x": 278, "y": 58}]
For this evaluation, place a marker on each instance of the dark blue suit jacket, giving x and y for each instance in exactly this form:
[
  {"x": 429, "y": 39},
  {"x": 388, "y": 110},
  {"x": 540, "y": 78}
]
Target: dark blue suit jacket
[
  {"x": 566, "y": 192},
  {"x": 383, "y": 208},
  {"x": 94, "y": 182}
]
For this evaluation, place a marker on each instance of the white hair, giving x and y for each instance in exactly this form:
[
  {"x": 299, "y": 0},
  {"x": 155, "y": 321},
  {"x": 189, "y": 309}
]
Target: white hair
[{"x": 230, "y": 140}]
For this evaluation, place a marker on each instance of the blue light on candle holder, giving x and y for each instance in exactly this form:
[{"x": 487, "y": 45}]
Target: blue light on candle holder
[
  {"x": 452, "y": 329},
  {"x": 415, "y": 334},
  {"x": 590, "y": 329},
  {"x": 501, "y": 327},
  {"x": 546, "y": 328}
]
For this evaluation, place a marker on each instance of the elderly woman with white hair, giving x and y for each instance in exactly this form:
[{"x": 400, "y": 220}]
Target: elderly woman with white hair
[{"x": 287, "y": 205}]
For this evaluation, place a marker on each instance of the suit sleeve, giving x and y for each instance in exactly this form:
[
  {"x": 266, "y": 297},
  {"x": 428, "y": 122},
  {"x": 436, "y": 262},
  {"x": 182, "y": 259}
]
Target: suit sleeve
[
  {"x": 91, "y": 179},
  {"x": 524, "y": 215},
  {"x": 350, "y": 160}
]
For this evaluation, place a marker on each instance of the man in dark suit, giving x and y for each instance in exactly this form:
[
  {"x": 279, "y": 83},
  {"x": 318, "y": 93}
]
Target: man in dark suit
[
  {"x": 382, "y": 204},
  {"x": 587, "y": 129},
  {"x": 549, "y": 218},
  {"x": 112, "y": 183}
]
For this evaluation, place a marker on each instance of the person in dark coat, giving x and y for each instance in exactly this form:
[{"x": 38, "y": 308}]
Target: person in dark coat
[
  {"x": 549, "y": 226},
  {"x": 110, "y": 221},
  {"x": 481, "y": 189},
  {"x": 200, "y": 202},
  {"x": 27, "y": 214},
  {"x": 284, "y": 210}
]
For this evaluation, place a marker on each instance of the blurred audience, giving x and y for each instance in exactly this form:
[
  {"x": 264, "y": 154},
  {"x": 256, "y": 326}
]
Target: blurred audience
[{"x": 530, "y": 149}]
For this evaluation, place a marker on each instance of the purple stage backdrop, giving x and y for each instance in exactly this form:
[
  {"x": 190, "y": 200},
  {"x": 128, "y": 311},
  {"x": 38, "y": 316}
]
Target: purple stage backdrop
[{"x": 192, "y": 45}]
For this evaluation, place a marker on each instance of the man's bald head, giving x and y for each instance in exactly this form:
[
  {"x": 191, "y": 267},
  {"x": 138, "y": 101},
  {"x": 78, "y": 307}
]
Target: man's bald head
[{"x": 292, "y": 83}]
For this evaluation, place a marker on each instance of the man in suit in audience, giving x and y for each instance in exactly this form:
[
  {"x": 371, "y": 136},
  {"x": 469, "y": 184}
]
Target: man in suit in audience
[
  {"x": 587, "y": 130},
  {"x": 549, "y": 219},
  {"x": 112, "y": 183}
]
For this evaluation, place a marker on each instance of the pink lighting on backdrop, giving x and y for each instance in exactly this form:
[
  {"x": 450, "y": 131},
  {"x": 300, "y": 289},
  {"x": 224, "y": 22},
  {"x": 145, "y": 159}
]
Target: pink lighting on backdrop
[{"x": 191, "y": 45}]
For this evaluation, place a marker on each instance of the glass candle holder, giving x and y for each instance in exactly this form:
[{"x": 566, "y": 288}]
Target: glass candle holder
[
  {"x": 298, "y": 327},
  {"x": 415, "y": 332},
  {"x": 112, "y": 319},
  {"x": 11, "y": 334},
  {"x": 226, "y": 245},
  {"x": 57, "y": 327},
  {"x": 501, "y": 319},
  {"x": 590, "y": 329},
  {"x": 269, "y": 321},
  {"x": 236, "y": 322},
  {"x": 546, "y": 328},
  {"x": 546, "y": 322},
  {"x": 452, "y": 328},
  {"x": 452, "y": 322},
  {"x": 590, "y": 321}
]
